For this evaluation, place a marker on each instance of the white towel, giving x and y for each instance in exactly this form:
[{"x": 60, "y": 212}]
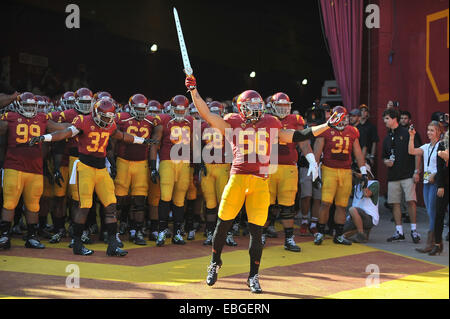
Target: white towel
[
  {"x": 73, "y": 176},
  {"x": 108, "y": 165}
]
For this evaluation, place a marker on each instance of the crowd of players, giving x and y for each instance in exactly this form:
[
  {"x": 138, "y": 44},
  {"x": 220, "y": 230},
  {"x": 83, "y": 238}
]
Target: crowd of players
[{"x": 149, "y": 188}]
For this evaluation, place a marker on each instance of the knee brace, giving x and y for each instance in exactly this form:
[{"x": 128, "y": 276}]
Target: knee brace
[
  {"x": 110, "y": 211},
  {"x": 287, "y": 212},
  {"x": 138, "y": 203},
  {"x": 272, "y": 213}
]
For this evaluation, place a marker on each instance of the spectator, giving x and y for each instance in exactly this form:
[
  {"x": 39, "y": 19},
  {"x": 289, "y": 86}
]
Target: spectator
[
  {"x": 354, "y": 118},
  {"x": 368, "y": 136},
  {"x": 442, "y": 195},
  {"x": 363, "y": 214},
  {"x": 429, "y": 153},
  {"x": 405, "y": 121},
  {"x": 402, "y": 172}
]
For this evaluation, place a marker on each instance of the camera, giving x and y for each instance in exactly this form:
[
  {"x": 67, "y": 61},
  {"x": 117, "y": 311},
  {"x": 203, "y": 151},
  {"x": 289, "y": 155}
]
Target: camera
[
  {"x": 443, "y": 118},
  {"x": 396, "y": 103}
]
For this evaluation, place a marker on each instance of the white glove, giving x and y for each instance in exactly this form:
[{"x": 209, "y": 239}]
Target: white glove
[{"x": 313, "y": 168}]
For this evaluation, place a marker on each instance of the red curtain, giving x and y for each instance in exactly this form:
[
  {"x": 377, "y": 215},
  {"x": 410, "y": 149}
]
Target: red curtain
[{"x": 343, "y": 22}]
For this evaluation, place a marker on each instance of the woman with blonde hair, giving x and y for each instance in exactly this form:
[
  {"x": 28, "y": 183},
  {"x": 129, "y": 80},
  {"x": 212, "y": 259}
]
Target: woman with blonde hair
[{"x": 429, "y": 153}]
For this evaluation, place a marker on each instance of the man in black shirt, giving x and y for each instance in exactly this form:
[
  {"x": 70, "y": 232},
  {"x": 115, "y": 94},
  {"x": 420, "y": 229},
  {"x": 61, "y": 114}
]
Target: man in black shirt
[
  {"x": 402, "y": 171},
  {"x": 368, "y": 136},
  {"x": 405, "y": 121}
]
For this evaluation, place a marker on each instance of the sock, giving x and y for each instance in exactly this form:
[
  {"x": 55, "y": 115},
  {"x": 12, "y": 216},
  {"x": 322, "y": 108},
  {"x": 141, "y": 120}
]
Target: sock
[
  {"x": 321, "y": 228},
  {"x": 219, "y": 237},
  {"x": 77, "y": 230},
  {"x": 153, "y": 225},
  {"x": 255, "y": 249},
  {"x": 314, "y": 221},
  {"x": 111, "y": 228},
  {"x": 413, "y": 227},
  {"x": 42, "y": 221},
  {"x": 32, "y": 229},
  {"x": 59, "y": 222},
  {"x": 288, "y": 232},
  {"x": 399, "y": 229},
  {"x": 339, "y": 229},
  {"x": 304, "y": 220},
  {"x": 189, "y": 215},
  {"x": 5, "y": 227},
  {"x": 163, "y": 212}
]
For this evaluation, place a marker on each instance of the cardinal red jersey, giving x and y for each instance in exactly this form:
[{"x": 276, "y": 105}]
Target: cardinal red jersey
[
  {"x": 214, "y": 144},
  {"x": 68, "y": 116},
  {"x": 338, "y": 146},
  {"x": 54, "y": 116},
  {"x": 19, "y": 155},
  {"x": 251, "y": 143},
  {"x": 92, "y": 139},
  {"x": 287, "y": 153},
  {"x": 175, "y": 133},
  {"x": 127, "y": 123}
]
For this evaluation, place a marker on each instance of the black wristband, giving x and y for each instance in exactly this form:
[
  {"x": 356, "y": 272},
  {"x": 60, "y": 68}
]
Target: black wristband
[
  {"x": 302, "y": 135},
  {"x": 152, "y": 165}
]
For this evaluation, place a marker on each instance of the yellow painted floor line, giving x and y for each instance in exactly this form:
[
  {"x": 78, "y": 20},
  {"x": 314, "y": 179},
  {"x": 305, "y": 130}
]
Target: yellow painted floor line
[
  {"x": 429, "y": 285},
  {"x": 183, "y": 271}
]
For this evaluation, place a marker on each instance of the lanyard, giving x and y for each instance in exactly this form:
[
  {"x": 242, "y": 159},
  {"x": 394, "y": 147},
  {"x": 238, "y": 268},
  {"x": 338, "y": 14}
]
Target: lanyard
[{"x": 430, "y": 153}]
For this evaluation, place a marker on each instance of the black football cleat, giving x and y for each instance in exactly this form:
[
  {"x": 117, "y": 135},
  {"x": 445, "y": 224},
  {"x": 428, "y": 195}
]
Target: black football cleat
[
  {"x": 341, "y": 240},
  {"x": 114, "y": 249},
  {"x": 5, "y": 242},
  {"x": 253, "y": 283},
  {"x": 44, "y": 233},
  {"x": 79, "y": 249},
  {"x": 153, "y": 236},
  {"x": 33, "y": 242},
  {"x": 213, "y": 269},
  {"x": 56, "y": 238},
  {"x": 139, "y": 239},
  {"x": 271, "y": 232},
  {"x": 209, "y": 239},
  {"x": 178, "y": 239},
  {"x": 191, "y": 235},
  {"x": 289, "y": 244},
  {"x": 230, "y": 240},
  {"x": 85, "y": 238}
]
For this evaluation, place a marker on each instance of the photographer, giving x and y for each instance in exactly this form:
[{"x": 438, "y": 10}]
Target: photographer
[{"x": 363, "y": 214}]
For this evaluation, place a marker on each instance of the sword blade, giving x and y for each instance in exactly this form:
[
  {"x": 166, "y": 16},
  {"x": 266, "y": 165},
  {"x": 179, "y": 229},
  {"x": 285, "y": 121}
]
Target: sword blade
[{"x": 184, "y": 53}]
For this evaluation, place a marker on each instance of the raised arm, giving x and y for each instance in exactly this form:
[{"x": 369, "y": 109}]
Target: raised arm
[
  {"x": 130, "y": 139},
  {"x": 53, "y": 126},
  {"x": 411, "y": 149},
  {"x": 292, "y": 136},
  {"x": 214, "y": 120}
]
